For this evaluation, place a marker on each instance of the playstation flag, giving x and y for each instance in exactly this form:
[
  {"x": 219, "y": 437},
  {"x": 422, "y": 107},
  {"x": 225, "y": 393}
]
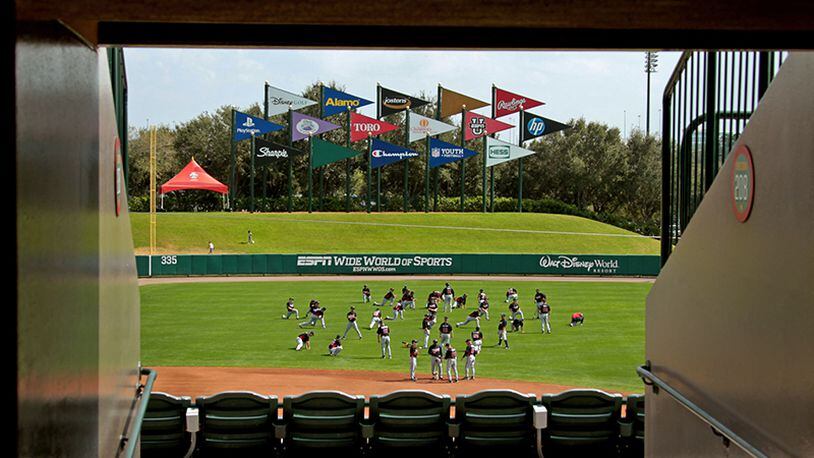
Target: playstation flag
[
  {"x": 442, "y": 153},
  {"x": 391, "y": 102},
  {"x": 280, "y": 101},
  {"x": 507, "y": 103},
  {"x": 246, "y": 125},
  {"x": 303, "y": 126},
  {"x": 421, "y": 126},
  {"x": 453, "y": 102},
  {"x": 266, "y": 152},
  {"x": 334, "y": 101},
  {"x": 533, "y": 126},
  {"x": 476, "y": 125},
  {"x": 361, "y": 126},
  {"x": 324, "y": 153},
  {"x": 498, "y": 151},
  {"x": 383, "y": 153}
]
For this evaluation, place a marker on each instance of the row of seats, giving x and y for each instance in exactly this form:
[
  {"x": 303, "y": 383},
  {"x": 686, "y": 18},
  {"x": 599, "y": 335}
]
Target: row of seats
[{"x": 418, "y": 423}]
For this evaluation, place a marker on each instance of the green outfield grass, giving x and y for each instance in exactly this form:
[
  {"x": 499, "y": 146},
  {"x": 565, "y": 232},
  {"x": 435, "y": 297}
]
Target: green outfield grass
[
  {"x": 240, "y": 325},
  {"x": 179, "y": 233}
]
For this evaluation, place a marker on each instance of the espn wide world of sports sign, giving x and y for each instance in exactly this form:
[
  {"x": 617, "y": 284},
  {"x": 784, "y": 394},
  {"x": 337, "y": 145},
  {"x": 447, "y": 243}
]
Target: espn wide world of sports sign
[{"x": 396, "y": 264}]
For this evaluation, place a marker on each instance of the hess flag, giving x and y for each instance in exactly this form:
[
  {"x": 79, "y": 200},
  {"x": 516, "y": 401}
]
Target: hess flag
[
  {"x": 302, "y": 126},
  {"x": 361, "y": 126},
  {"x": 453, "y": 102},
  {"x": 507, "y": 103},
  {"x": 391, "y": 102},
  {"x": 383, "y": 153},
  {"x": 533, "y": 126},
  {"x": 280, "y": 100},
  {"x": 442, "y": 153},
  {"x": 421, "y": 126},
  {"x": 476, "y": 125},
  {"x": 334, "y": 101},
  {"x": 266, "y": 152},
  {"x": 499, "y": 151},
  {"x": 324, "y": 153},
  {"x": 246, "y": 125}
]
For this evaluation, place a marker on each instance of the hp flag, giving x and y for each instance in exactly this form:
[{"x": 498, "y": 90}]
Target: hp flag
[
  {"x": 533, "y": 126},
  {"x": 499, "y": 151}
]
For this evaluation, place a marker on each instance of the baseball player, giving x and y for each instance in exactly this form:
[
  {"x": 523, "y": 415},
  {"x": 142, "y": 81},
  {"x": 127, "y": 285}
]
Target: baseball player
[
  {"x": 434, "y": 296},
  {"x": 539, "y": 298},
  {"x": 502, "y": 336},
  {"x": 313, "y": 304},
  {"x": 384, "y": 338},
  {"x": 511, "y": 295},
  {"x": 426, "y": 327},
  {"x": 484, "y": 308},
  {"x": 445, "y": 330},
  {"x": 482, "y": 297},
  {"x": 352, "y": 323},
  {"x": 435, "y": 353},
  {"x": 304, "y": 339},
  {"x": 577, "y": 319},
  {"x": 377, "y": 318},
  {"x": 451, "y": 357},
  {"x": 517, "y": 324},
  {"x": 398, "y": 312},
  {"x": 432, "y": 307},
  {"x": 474, "y": 315},
  {"x": 413, "y": 359},
  {"x": 389, "y": 297},
  {"x": 335, "y": 347},
  {"x": 290, "y": 310},
  {"x": 408, "y": 299},
  {"x": 365, "y": 294},
  {"x": 543, "y": 312},
  {"x": 477, "y": 339},
  {"x": 460, "y": 302},
  {"x": 469, "y": 360},
  {"x": 317, "y": 315},
  {"x": 514, "y": 308},
  {"x": 447, "y": 295}
]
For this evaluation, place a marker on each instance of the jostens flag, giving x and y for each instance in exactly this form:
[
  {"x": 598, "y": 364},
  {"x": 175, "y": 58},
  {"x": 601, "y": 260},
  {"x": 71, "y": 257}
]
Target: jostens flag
[
  {"x": 453, "y": 102},
  {"x": 325, "y": 153},
  {"x": 442, "y": 152},
  {"x": 246, "y": 125},
  {"x": 499, "y": 151},
  {"x": 533, "y": 126},
  {"x": 391, "y": 102},
  {"x": 334, "y": 101},
  {"x": 266, "y": 152},
  {"x": 477, "y": 125},
  {"x": 383, "y": 153},
  {"x": 361, "y": 126},
  {"x": 421, "y": 126},
  {"x": 280, "y": 100},
  {"x": 302, "y": 126},
  {"x": 507, "y": 103}
]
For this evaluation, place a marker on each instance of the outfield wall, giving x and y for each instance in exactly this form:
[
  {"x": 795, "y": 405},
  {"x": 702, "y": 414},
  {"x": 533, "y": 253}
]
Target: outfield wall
[{"x": 397, "y": 264}]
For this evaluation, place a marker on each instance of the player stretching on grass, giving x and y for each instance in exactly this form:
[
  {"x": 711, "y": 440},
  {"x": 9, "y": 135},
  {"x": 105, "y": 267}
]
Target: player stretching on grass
[
  {"x": 445, "y": 330},
  {"x": 408, "y": 300},
  {"x": 290, "y": 310},
  {"x": 365, "y": 294},
  {"x": 384, "y": 339},
  {"x": 473, "y": 316},
  {"x": 335, "y": 347},
  {"x": 577, "y": 319},
  {"x": 502, "y": 336},
  {"x": 511, "y": 295},
  {"x": 451, "y": 357},
  {"x": 317, "y": 315},
  {"x": 377, "y": 318},
  {"x": 352, "y": 323},
  {"x": 482, "y": 297},
  {"x": 460, "y": 302},
  {"x": 304, "y": 339},
  {"x": 389, "y": 297},
  {"x": 435, "y": 353},
  {"x": 447, "y": 295},
  {"x": 413, "y": 359},
  {"x": 398, "y": 312},
  {"x": 469, "y": 358}
]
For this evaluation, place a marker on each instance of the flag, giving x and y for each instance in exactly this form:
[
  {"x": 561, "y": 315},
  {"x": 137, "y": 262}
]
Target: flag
[
  {"x": 442, "y": 153},
  {"x": 280, "y": 100},
  {"x": 499, "y": 151},
  {"x": 361, "y": 126},
  {"x": 334, "y": 101},
  {"x": 533, "y": 126},
  {"x": 325, "y": 153},
  {"x": 477, "y": 125},
  {"x": 391, "y": 102},
  {"x": 303, "y": 125},
  {"x": 421, "y": 126},
  {"x": 453, "y": 102},
  {"x": 246, "y": 125},
  {"x": 266, "y": 152},
  {"x": 383, "y": 153},
  {"x": 507, "y": 103}
]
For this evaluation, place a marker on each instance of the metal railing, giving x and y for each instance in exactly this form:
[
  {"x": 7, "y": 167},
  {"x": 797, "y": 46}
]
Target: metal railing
[{"x": 132, "y": 427}]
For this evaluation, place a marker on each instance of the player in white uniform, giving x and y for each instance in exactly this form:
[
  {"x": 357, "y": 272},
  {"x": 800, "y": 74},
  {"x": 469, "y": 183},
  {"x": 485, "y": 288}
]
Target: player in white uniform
[
  {"x": 469, "y": 358},
  {"x": 377, "y": 318},
  {"x": 445, "y": 331},
  {"x": 436, "y": 353},
  {"x": 543, "y": 312},
  {"x": 511, "y": 295},
  {"x": 477, "y": 339},
  {"x": 426, "y": 327},
  {"x": 413, "y": 349},
  {"x": 484, "y": 308},
  {"x": 290, "y": 310},
  {"x": 451, "y": 357},
  {"x": 447, "y": 295},
  {"x": 304, "y": 340},
  {"x": 365, "y": 294},
  {"x": 384, "y": 339},
  {"x": 352, "y": 324}
]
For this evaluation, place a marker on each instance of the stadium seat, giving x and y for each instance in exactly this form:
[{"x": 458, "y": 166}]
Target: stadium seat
[
  {"x": 582, "y": 422},
  {"x": 494, "y": 421},
  {"x": 328, "y": 420},
  {"x": 237, "y": 423},
  {"x": 163, "y": 432},
  {"x": 408, "y": 422},
  {"x": 632, "y": 426}
]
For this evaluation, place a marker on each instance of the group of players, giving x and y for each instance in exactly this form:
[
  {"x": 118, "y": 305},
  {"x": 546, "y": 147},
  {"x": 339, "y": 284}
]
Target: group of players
[{"x": 441, "y": 349}]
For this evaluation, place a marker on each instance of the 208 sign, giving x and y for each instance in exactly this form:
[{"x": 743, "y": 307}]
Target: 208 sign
[{"x": 742, "y": 184}]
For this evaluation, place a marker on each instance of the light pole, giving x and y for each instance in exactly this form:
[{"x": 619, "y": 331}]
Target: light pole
[{"x": 651, "y": 60}]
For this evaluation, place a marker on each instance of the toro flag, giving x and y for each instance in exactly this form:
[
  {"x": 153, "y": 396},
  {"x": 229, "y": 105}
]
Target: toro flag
[
  {"x": 507, "y": 103},
  {"x": 421, "y": 126},
  {"x": 383, "y": 153},
  {"x": 391, "y": 102},
  {"x": 443, "y": 153},
  {"x": 453, "y": 102},
  {"x": 499, "y": 151},
  {"x": 476, "y": 125},
  {"x": 361, "y": 126},
  {"x": 246, "y": 125},
  {"x": 280, "y": 100},
  {"x": 334, "y": 101},
  {"x": 266, "y": 152},
  {"x": 324, "y": 153},
  {"x": 302, "y": 126},
  {"x": 533, "y": 126}
]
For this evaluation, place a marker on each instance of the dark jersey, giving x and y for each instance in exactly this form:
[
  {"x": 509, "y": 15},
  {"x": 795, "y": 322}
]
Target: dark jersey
[
  {"x": 289, "y": 306},
  {"x": 318, "y": 313},
  {"x": 475, "y": 314},
  {"x": 461, "y": 300},
  {"x": 448, "y": 291},
  {"x": 351, "y": 316},
  {"x": 539, "y": 297},
  {"x": 413, "y": 351},
  {"x": 305, "y": 337},
  {"x": 484, "y": 305},
  {"x": 435, "y": 351},
  {"x": 545, "y": 308},
  {"x": 476, "y": 335},
  {"x": 433, "y": 308},
  {"x": 334, "y": 344},
  {"x": 501, "y": 325},
  {"x": 398, "y": 307},
  {"x": 384, "y": 331},
  {"x": 389, "y": 295},
  {"x": 445, "y": 328},
  {"x": 517, "y": 323},
  {"x": 405, "y": 297},
  {"x": 514, "y": 307},
  {"x": 470, "y": 351},
  {"x": 426, "y": 323},
  {"x": 450, "y": 353},
  {"x": 366, "y": 291}
]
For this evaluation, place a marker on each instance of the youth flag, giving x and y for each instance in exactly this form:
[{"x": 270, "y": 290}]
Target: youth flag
[
  {"x": 442, "y": 153},
  {"x": 361, "y": 126},
  {"x": 324, "y": 153},
  {"x": 334, "y": 101},
  {"x": 266, "y": 152},
  {"x": 391, "y": 102},
  {"x": 453, "y": 102},
  {"x": 246, "y": 125},
  {"x": 383, "y": 153},
  {"x": 421, "y": 126},
  {"x": 476, "y": 125},
  {"x": 303, "y": 126},
  {"x": 499, "y": 151},
  {"x": 280, "y": 100},
  {"x": 507, "y": 103},
  {"x": 533, "y": 126}
]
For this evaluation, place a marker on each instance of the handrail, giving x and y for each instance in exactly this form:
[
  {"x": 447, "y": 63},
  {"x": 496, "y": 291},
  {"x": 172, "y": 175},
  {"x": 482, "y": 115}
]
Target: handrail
[
  {"x": 129, "y": 443},
  {"x": 718, "y": 428}
]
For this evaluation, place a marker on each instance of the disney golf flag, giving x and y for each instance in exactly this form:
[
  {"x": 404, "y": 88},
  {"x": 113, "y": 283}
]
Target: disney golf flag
[
  {"x": 246, "y": 125},
  {"x": 533, "y": 126},
  {"x": 303, "y": 126},
  {"x": 499, "y": 151},
  {"x": 334, "y": 101},
  {"x": 383, "y": 153},
  {"x": 442, "y": 153},
  {"x": 279, "y": 101}
]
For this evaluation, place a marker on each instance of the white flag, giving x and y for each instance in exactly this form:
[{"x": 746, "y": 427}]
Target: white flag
[
  {"x": 420, "y": 126},
  {"x": 499, "y": 151},
  {"x": 280, "y": 100}
]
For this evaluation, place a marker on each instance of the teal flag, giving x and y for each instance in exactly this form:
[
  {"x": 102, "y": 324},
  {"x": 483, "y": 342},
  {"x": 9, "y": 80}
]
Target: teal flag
[{"x": 324, "y": 153}]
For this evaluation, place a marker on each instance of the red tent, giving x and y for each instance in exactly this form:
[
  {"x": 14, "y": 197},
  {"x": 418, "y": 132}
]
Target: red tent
[{"x": 193, "y": 176}]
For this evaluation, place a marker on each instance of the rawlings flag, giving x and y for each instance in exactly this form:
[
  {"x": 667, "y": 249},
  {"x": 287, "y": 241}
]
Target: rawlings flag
[
  {"x": 334, "y": 101},
  {"x": 266, "y": 152},
  {"x": 421, "y": 126},
  {"x": 383, "y": 153},
  {"x": 477, "y": 125},
  {"x": 325, "y": 153},
  {"x": 443, "y": 153},
  {"x": 499, "y": 151},
  {"x": 507, "y": 103},
  {"x": 361, "y": 126},
  {"x": 246, "y": 125},
  {"x": 453, "y": 102},
  {"x": 302, "y": 126},
  {"x": 391, "y": 102},
  {"x": 533, "y": 126},
  {"x": 280, "y": 100}
]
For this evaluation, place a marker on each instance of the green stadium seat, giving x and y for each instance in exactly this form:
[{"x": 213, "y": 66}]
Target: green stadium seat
[
  {"x": 632, "y": 426},
  {"x": 237, "y": 423},
  {"x": 408, "y": 422},
  {"x": 327, "y": 420},
  {"x": 494, "y": 421},
  {"x": 582, "y": 422},
  {"x": 163, "y": 431}
]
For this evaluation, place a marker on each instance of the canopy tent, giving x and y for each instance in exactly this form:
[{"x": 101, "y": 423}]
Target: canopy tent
[{"x": 193, "y": 176}]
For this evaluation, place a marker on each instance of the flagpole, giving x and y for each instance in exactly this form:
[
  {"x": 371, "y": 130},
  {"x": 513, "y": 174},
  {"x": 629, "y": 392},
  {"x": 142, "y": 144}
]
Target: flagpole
[
  {"x": 290, "y": 163},
  {"x": 233, "y": 147},
  {"x": 427, "y": 177},
  {"x": 251, "y": 180},
  {"x": 520, "y": 167},
  {"x": 463, "y": 160},
  {"x": 310, "y": 173},
  {"x": 406, "y": 161},
  {"x": 492, "y": 169},
  {"x": 347, "y": 167},
  {"x": 379, "y": 170},
  {"x": 266, "y": 117},
  {"x": 369, "y": 196},
  {"x": 321, "y": 114}
]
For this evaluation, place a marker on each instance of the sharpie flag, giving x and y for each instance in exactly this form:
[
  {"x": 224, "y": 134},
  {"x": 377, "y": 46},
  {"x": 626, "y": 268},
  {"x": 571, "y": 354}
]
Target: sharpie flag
[
  {"x": 507, "y": 103},
  {"x": 477, "y": 125},
  {"x": 421, "y": 126},
  {"x": 442, "y": 153},
  {"x": 361, "y": 126},
  {"x": 266, "y": 152},
  {"x": 453, "y": 102},
  {"x": 499, "y": 151},
  {"x": 280, "y": 100},
  {"x": 246, "y": 125},
  {"x": 383, "y": 153},
  {"x": 303, "y": 126},
  {"x": 391, "y": 102},
  {"x": 533, "y": 126},
  {"x": 324, "y": 153},
  {"x": 334, "y": 101}
]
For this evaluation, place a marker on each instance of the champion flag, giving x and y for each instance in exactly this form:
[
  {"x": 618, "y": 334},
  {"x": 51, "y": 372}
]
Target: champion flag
[
  {"x": 498, "y": 151},
  {"x": 453, "y": 102},
  {"x": 442, "y": 153},
  {"x": 324, "y": 153},
  {"x": 361, "y": 126},
  {"x": 507, "y": 103},
  {"x": 477, "y": 125},
  {"x": 266, "y": 152},
  {"x": 391, "y": 102},
  {"x": 383, "y": 153},
  {"x": 303, "y": 126},
  {"x": 246, "y": 125},
  {"x": 421, "y": 126},
  {"x": 280, "y": 100},
  {"x": 533, "y": 126},
  {"x": 334, "y": 101}
]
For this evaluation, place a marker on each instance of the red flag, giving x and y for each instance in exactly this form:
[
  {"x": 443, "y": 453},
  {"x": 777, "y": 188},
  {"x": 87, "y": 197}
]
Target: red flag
[
  {"x": 478, "y": 125},
  {"x": 507, "y": 103},
  {"x": 361, "y": 126}
]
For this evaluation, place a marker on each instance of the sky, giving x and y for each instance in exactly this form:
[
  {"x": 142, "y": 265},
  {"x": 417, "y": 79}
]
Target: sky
[{"x": 170, "y": 86}]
